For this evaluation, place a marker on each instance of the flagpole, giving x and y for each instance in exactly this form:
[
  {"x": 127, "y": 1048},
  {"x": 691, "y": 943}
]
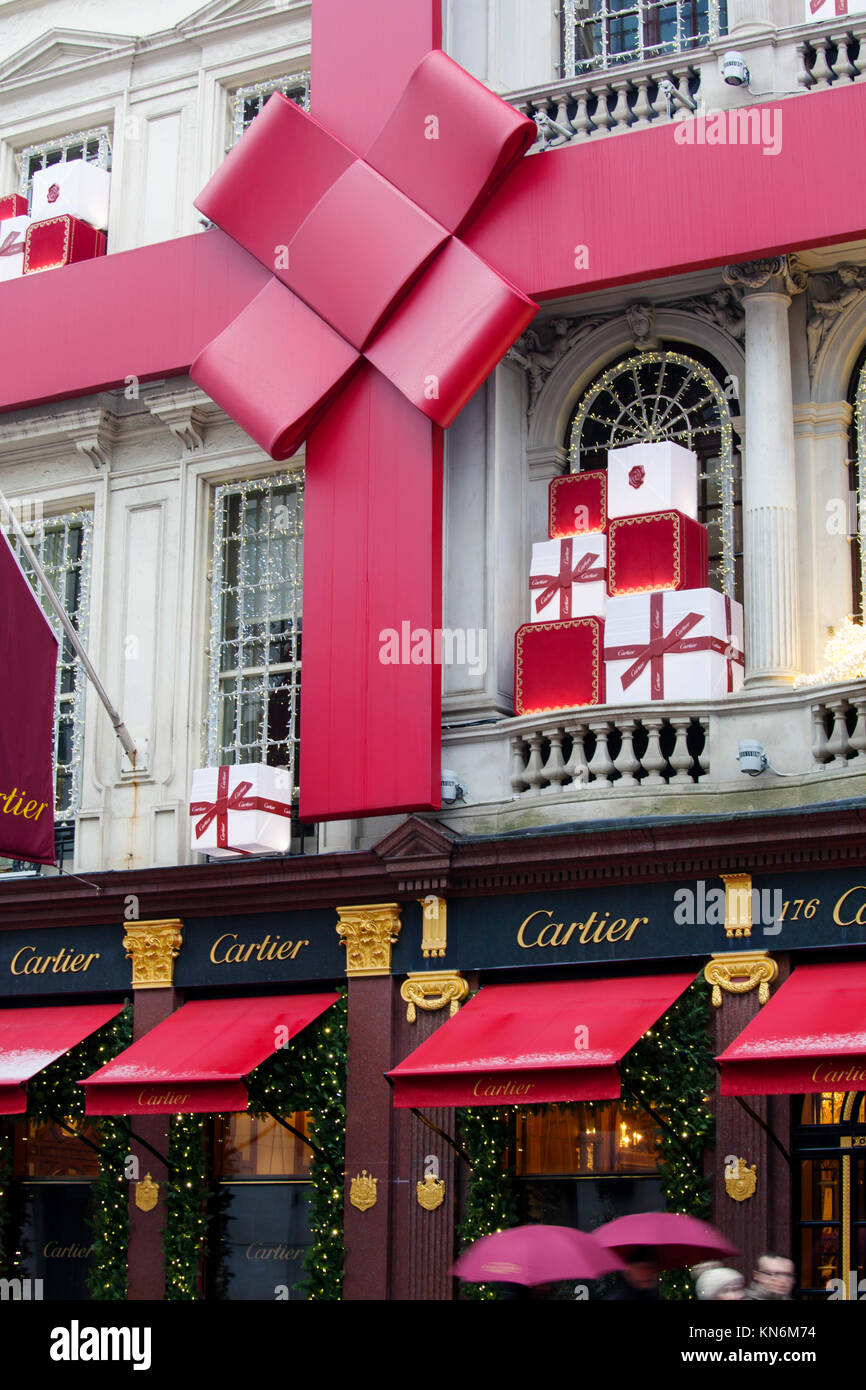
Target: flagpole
[{"x": 120, "y": 728}]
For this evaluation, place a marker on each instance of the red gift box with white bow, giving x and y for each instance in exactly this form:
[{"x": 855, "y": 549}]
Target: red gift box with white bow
[
  {"x": 558, "y": 665},
  {"x": 683, "y": 645}
]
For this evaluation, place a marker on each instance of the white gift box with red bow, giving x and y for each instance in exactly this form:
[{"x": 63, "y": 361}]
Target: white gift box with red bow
[
  {"x": 568, "y": 578},
  {"x": 684, "y": 644},
  {"x": 245, "y": 808},
  {"x": 77, "y": 188},
  {"x": 13, "y": 234},
  {"x": 645, "y": 478}
]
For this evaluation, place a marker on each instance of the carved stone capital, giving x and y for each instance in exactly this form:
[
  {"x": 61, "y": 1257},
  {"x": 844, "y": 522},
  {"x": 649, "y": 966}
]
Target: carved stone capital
[
  {"x": 431, "y": 990},
  {"x": 739, "y": 972},
  {"x": 153, "y": 947},
  {"x": 184, "y": 412},
  {"x": 775, "y": 275},
  {"x": 738, "y": 904},
  {"x": 368, "y": 933},
  {"x": 434, "y": 925}
]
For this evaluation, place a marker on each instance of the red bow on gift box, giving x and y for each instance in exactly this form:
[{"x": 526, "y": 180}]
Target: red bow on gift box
[
  {"x": 239, "y": 800},
  {"x": 550, "y": 584}
]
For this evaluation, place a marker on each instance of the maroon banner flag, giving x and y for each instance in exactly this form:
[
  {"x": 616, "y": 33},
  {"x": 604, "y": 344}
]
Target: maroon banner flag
[{"x": 28, "y": 660}]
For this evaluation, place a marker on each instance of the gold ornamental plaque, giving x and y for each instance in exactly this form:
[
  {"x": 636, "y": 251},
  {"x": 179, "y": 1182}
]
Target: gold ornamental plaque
[
  {"x": 362, "y": 1191},
  {"x": 430, "y": 1192},
  {"x": 740, "y": 1182},
  {"x": 146, "y": 1193}
]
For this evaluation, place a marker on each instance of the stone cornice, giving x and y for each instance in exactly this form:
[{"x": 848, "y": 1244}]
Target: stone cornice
[{"x": 640, "y": 850}]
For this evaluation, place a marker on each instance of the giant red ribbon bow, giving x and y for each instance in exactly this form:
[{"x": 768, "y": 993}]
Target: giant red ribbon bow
[
  {"x": 584, "y": 572},
  {"x": 366, "y": 257},
  {"x": 238, "y": 800}
]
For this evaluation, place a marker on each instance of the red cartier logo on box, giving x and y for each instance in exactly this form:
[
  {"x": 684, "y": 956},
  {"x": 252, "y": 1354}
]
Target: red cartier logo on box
[
  {"x": 636, "y": 475},
  {"x": 53, "y": 193}
]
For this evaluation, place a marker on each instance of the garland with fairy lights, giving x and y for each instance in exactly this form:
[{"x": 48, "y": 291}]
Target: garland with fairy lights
[
  {"x": 309, "y": 1074},
  {"x": 54, "y": 1095},
  {"x": 669, "y": 1072}
]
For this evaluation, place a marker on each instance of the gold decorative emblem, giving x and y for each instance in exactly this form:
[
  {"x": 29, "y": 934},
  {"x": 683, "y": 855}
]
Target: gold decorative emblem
[
  {"x": 368, "y": 933},
  {"x": 433, "y": 990},
  {"x": 431, "y": 1192},
  {"x": 146, "y": 1193},
  {"x": 739, "y": 972},
  {"x": 362, "y": 1191},
  {"x": 741, "y": 1182},
  {"x": 738, "y": 904},
  {"x": 152, "y": 948},
  {"x": 434, "y": 925}
]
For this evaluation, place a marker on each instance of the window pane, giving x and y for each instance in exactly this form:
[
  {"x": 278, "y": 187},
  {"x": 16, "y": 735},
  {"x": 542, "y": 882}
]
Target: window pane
[{"x": 585, "y": 1139}]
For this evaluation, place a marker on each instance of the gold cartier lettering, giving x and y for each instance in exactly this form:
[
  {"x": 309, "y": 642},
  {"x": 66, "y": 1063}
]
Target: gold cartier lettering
[
  {"x": 502, "y": 1088},
  {"x": 858, "y": 917},
  {"x": 596, "y": 929},
  {"x": 242, "y": 952},
  {"x": 832, "y": 1078},
  {"x": 26, "y": 961},
  {"x": 164, "y": 1098},
  {"x": 53, "y": 1251}
]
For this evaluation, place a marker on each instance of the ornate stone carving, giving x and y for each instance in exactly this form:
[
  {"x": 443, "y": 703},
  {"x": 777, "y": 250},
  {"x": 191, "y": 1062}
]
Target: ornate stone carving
[
  {"x": 541, "y": 348},
  {"x": 152, "y": 947},
  {"x": 720, "y": 307},
  {"x": 430, "y": 1192},
  {"x": 738, "y": 904},
  {"x": 362, "y": 1191},
  {"x": 830, "y": 294},
  {"x": 641, "y": 320},
  {"x": 740, "y": 1182},
  {"x": 368, "y": 933},
  {"x": 757, "y": 275},
  {"x": 739, "y": 972},
  {"x": 433, "y": 990}
]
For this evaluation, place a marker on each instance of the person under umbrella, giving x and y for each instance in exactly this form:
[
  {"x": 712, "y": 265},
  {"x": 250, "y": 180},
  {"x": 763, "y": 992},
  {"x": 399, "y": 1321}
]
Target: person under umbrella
[{"x": 640, "y": 1278}]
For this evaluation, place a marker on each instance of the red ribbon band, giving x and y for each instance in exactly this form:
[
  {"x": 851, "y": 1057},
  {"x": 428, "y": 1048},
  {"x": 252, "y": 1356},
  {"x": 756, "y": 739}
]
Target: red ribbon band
[{"x": 676, "y": 643}]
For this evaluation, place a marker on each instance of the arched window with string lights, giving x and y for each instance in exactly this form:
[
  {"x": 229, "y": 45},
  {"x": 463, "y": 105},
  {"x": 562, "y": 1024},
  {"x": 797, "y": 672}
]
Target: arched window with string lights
[{"x": 666, "y": 394}]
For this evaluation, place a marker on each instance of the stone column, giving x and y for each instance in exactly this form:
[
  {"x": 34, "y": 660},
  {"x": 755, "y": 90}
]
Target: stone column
[
  {"x": 747, "y": 18},
  {"x": 769, "y": 473}
]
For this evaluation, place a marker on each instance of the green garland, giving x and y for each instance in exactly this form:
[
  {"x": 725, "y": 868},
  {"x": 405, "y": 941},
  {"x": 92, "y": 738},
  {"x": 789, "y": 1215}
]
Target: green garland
[
  {"x": 669, "y": 1069},
  {"x": 54, "y": 1094},
  {"x": 310, "y": 1075},
  {"x": 487, "y": 1135}
]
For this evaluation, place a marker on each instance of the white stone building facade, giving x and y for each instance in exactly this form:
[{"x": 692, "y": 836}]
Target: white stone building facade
[{"x": 178, "y": 542}]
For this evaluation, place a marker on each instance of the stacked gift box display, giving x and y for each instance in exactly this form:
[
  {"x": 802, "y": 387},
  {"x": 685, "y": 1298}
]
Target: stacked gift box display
[
  {"x": 66, "y": 222},
  {"x": 622, "y": 611}
]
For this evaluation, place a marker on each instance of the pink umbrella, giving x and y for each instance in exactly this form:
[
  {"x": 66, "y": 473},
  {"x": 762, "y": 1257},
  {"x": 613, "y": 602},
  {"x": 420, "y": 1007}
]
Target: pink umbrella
[
  {"x": 676, "y": 1240},
  {"x": 535, "y": 1255}
]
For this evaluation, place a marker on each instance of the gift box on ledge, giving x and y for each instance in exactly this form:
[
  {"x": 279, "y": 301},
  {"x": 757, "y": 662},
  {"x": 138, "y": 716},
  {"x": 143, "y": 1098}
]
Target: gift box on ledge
[
  {"x": 558, "y": 665},
  {"x": 682, "y": 645},
  {"x": 76, "y": 189},
  {"x": 242, "y": 809},
  {"x": 60, "y": 241},
  {"x": 652, "y": 478},
  {"x": 13, "y": 234},
  {"x": 664, "y": 550},
  {"x": 577, "y": 504},
  {"x": 568, "y": 578},
  {"x": 12, "y": 205}
]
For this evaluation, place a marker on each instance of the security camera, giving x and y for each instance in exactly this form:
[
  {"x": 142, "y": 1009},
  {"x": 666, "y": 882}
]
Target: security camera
[
  {"x": 452, "y": 788},
  {"x": 735, "y": 70},
  {"x": 752, "y": 758},
  {"x": 674, "y": 97}
]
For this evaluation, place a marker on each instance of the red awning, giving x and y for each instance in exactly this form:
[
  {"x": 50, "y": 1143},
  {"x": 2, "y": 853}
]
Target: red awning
[
  {"x": 810, "y": 1037},
  {"x": 531, "y": 1043},
  {"x": 30, "y": 1039},
  {"x": 195, "y": 1059}
]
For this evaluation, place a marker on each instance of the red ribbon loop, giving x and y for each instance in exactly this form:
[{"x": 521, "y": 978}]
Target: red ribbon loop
[{"x": 550, "y": 584}]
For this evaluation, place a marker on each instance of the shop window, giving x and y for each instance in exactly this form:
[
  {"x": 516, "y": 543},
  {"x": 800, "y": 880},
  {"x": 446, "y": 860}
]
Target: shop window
[
  {"x": 669, "y": 395},
  {"x": 255, "y": 647},
  {"x": 262, "y": 1173},
  {"x": 63, "y": 545},
  {"x": 830, "y": 1200},
  {"x": 50, "y": 1205},
  {"x": 247, "y": 102},
  {"x": 600, "y": 33},
  {"x": 583, "y": 1164},
  {"x": 92, "y": 145}
]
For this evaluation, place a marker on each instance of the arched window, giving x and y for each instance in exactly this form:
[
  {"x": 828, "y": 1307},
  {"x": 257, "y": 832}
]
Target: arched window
[{"x": 652, "y": 396}]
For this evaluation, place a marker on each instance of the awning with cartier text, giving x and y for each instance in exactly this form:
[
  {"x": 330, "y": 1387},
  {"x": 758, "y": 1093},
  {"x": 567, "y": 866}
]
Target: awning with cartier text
[
  {"x": 810, "y": 1037},
  {"x": 526, "y": 1044}
]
